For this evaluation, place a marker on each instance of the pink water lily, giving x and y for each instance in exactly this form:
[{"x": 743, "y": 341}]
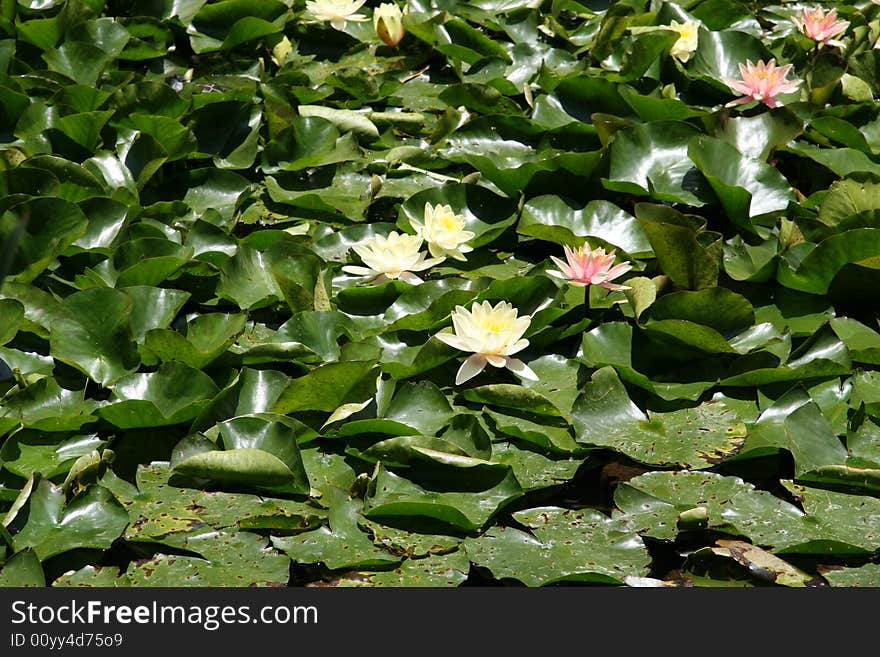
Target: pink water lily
[
  {"x": 820, "y": 26},
  {"x": 761, "y": 82},
  {"x": 588, "y": 266}
]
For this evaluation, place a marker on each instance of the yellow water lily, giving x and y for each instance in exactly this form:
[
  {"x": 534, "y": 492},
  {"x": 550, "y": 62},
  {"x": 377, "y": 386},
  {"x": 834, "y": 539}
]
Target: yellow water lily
[
  {"x": 444, "y": 231},
  {"x": 686, "y": 46},
  {"x": 493, "y": 334},
  {"x": 394, "y": 257},
  {"x": 337, "y": 12}
]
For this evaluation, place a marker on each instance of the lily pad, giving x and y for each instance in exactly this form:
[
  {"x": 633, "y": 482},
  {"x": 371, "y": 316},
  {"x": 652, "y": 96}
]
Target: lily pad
[
  {"x": 446, "y": 570},
  {"x": 342, "y": 544},
  {"x": 227, "y": 559},
  {"x": 553, "y": 219},
  {"x": 93, "y": 519},
  {"x": 175, "y": 393},
  {"x": 92, "y": 332},
  {"x": 563, "y": 546},
  {"x": 651, "y": 159},
  {"x": 391, "y": 497},
  {"x": 698, "y": 437},
  {"x": 158, "y": 508}
]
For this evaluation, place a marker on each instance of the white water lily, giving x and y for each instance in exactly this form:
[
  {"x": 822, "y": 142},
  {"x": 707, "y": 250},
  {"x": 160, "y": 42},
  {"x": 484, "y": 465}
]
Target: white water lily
[
  {"x": 494, "y": 334},
  {"x": 337, "y": 12},
  {"x": 686, "y": 46},
  {"x": 393, "y": 257},
  {"x": 444, "y": 232}
]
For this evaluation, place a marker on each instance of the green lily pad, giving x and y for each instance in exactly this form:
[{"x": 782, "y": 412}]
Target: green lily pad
[
  {"x": 822, "y": 356},
  {"x": 227, "y": 559},
  {"x": 698, "y": 437},
  {"x": 862, "y": 342},
  {"x": 43, "y": 228},
  {"x": 46, "y": 406},
  {"x": 557, "y": 380},
  {"x": 654, "y": 502},
  {"x": 206, "y": 338},
  {"x": 702, "y": 319},
  {"x": 250, "y": 392},
  {"x": 93, "y": 519},
  {"x": 732, "y": 312},
  {"x": 157, "y": 508},
  {"x": 757, "y": 136},
  {"x": 846, "y": 198},
  {"x": 651, "y": 159},
  {"x": 342, "y": 544},
  {"x": 327, "y": 387},
  {"x": 22, "y": 569},
  {"x": 149, "y": 261},
  {"x": 91, "y": 332},
  {"x": 258, "y": 452},
  {"x": 795, "y": 423},
  {"x": 175, "y": 393},
  {"x": 391, "y": 497},
  {"x": 563, "y": 546},
  {"x": 421, "y": 406},
  {"x": 410, "y": 544},
  {"x": 154, "y": 308},
  {"x": 600, "y": 222},
  {"x": 612, "y": 344},
  {"x": 535, "y": 471},
  {"x": 11, "y": 317},
  {"x": 245, "y": 466},
  {"x": 816, "y": 271},
  {"x": 553, "y": 439},
  {"x": 441, "y": 570},
  {"x": 48, "y": 454},
  {"x": 504, "y": 395},
  {"x": 845, "y": 523},
  {"x": 507, "y": 151},
  {"x": 686, "y": 252},
  {"x": 308, "y": 142},
  {"x": 88, "y": 576},
  {"x": 867, "y": 575},
  {"x": 750, "y": 191}
]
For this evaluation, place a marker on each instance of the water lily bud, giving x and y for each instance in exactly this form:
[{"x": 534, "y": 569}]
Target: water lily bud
[
  {"x": 388, "y": 21},
  {"x": 282, "y": 51}
]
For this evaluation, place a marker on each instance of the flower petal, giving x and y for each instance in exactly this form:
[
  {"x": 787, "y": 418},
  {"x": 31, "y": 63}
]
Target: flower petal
[
  {"x": 409, "y": 277},
  {"x": 454, "y": 341},
  {"x": 357, "y": 271},
  {"x": 495, "y": 360},
  {"x": 470, "y": 368},
  {"x": 612, "y": 286},
  {"x": 522, "y": 370},
  {"x": 517, "y": 346}
]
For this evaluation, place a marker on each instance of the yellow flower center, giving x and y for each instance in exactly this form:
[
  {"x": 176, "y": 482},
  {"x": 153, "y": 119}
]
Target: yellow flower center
[
  {"x": 493, "y": 325},
  {"x": 685, "y": 30}
]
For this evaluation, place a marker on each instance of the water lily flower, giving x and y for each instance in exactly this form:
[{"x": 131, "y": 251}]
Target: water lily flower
[
  {"x": 336, "y": 11},
  {"x": 761, "y": 82},
  {"x": 820, "y": 26},
  {"x": 388, "y": 22},
  {"x": 394, "y": 257},
  {"x": 493, "y": 334},
  {"x": 444, "y": 232},
  {"x": 588, "y": 266},
  {"x": 686, "y": 46}
]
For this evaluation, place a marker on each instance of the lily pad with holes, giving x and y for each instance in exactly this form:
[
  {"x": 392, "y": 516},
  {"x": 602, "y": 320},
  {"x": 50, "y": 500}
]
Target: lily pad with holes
[{"x": 561, "y": 545}]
